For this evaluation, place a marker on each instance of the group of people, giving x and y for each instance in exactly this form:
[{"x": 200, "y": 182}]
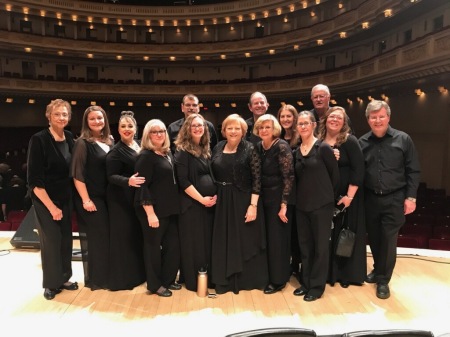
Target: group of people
[{"x": 249, "y": 210}]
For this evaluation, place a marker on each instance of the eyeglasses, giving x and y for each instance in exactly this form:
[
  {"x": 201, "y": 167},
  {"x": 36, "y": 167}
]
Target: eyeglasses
[
  {"x": 375, "y": 118},
  {"x": 59, "y": 115},
  {"x": 196, "y": 126},
  {"x": 305, "y": 124},
  {"x": 335, "y": 117},
  {"x": 160, "y": 132}
]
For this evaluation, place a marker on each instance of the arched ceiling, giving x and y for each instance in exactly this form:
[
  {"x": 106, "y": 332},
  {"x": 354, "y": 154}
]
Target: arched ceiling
[{"x": 163, "y": 2}]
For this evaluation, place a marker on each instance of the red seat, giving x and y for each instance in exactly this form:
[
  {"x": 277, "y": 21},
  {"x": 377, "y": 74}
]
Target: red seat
[
  {"x": 421, "y": 231},
  {"x": 16, "y": 215},
  {"x": 439, "y": 244},
  {"x": 443, "y": 220},
  {"x": 419, "y": 218},
  {"x": 441, "y": 232},
  {"x": 5, "y": 226},
  {"x": 74, "y": 222},
  {"x": 15, "y": 225},
  {"x": 408, "y": 241}
]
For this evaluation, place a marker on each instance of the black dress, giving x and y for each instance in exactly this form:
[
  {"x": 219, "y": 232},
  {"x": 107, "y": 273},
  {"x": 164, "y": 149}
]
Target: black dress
[
  {"x": 89, "y": 166},
  {"x": 49, "y": 168},
  {"x": 239, "y": 258},
  {"x": 126, "y": 257},
  {"x": 196, "y": 220},
  {"x": 351, "y": 171}
]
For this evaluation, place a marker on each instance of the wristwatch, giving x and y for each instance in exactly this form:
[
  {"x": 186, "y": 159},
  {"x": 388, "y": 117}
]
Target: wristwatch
[{"x": 411, "y": 199}]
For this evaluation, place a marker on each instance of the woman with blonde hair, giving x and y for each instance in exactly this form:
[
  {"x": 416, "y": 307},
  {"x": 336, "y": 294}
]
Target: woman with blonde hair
[
  {"x": 239, "y": 258},
  {"x": 277, "y": 178},
  {"x": 198, "y": 198},
  {"x": 89, "y": 175},
  {"x": 157, "y": 207}
]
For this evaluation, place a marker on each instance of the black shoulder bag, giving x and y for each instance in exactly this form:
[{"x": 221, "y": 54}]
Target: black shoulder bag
[{"x": 345, "y": 241}]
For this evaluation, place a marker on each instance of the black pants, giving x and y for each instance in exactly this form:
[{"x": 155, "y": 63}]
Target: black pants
[
  {"x": 161, "y": 252},
  {"x": 56, "y": 241},
  {"x": 384, "y": 218},
  {"x": 314, "y": 231}
]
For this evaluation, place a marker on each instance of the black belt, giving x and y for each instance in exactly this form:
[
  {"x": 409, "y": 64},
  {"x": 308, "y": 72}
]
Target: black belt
[
  {"x": 384, "y": 192},
  {"x": 223, "y": 183}
]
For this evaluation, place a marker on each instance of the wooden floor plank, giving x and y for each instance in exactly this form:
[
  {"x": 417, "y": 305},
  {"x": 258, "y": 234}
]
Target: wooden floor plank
[{"x": 420, "y": 299}]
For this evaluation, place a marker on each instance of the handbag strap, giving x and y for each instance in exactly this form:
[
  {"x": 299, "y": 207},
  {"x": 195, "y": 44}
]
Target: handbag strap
[{"x": 344, "y": 212}]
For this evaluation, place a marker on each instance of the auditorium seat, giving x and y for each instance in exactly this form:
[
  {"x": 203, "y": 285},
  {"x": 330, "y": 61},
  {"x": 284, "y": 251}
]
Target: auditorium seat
[
  {"x": 439, "y": 244},
  {"x": 423, "y": 232},
  {"x": 294, "y": 332},
  {"x": 418, "y": 218},
  {"x": 441, "y": 232},
  {"x": 443, "y": 220},
  {"x": 391, "y": 333},
  {"x": 409, "y": 241},
  {"x": 16, "y": 215},
  {"x": 5, "y": 226},
  {"x": 15, "y": 225}
]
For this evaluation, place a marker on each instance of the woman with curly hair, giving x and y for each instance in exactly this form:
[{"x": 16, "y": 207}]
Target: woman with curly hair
[{"x": 198, "y": 198}]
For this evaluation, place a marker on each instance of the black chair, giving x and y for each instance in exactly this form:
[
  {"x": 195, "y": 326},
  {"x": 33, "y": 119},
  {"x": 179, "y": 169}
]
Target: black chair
[
  {"x": 274, "y": 332},
  {"x": 390, "y": 333}
]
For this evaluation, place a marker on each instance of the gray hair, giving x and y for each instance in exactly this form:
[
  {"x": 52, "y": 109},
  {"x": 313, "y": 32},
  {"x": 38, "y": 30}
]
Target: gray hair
[
  {"x": 376, "y": 105},
  {"x": 321, "y": 87}
]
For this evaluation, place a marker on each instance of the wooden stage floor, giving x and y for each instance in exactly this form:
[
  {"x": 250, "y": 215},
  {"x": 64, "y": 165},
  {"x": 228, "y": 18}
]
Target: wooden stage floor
[{"x": 420, "y": 299}]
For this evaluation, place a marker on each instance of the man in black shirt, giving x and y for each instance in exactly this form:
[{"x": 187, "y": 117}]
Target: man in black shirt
[
  {"x": 189, "y": 105},
  {"x": 258, "y": 105},
  {"x": 320, "y": 97},
  {"x": 391, "y": 181}
]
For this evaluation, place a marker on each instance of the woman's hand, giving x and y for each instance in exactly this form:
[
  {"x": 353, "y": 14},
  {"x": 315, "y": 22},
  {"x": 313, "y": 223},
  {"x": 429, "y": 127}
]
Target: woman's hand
[
  {"x": 251, "y": 213},
  {"x": 135, "y": 180},
  {"x": 208, "y": 201},
  {"x": 282, "y": 213},
  {"x": 153, "y": 221},
  {"x": 89, "y": 206},
  {"x": 56, "y": 213},
  {"x": 345, "y": 200}
]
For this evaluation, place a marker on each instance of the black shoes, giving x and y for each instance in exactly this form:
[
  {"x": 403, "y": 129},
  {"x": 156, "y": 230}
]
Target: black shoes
[
  {"x": 69, "y": 286},
  {"x": 175, "y": 286},
  {"x": 300, "y": 291},
  {"x": 310, "y": 298},
  {"x": 273, "y": 288},
  {"x": 162, "y": 292},
  {"x": 345, "y": 284},
  {"x": 383, "y": 291},
  {"x": 50, "y": 294},
  {"x": 371, "y": 277}
]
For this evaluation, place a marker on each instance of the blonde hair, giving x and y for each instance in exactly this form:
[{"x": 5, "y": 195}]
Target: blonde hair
[
  {"x": 264, "y": 118},
  {"x": 184, "y": 139},
  {"x": 55, "y": 104},
  {"x": 146, "y": 142},
  {"x": 234, "y": 118},
  {"x": 343, "y": 133}
]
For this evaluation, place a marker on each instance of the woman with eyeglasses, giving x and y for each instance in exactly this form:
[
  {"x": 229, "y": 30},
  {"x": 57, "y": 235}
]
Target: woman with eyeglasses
[
  {"x": 335, "y": 131},
  {"x": 277, "y": 178},
  {"x": 49, "y": 155},
  {"x": 89, "y": 176},
  {"x": 127, "y": 263},
  {"x": 198, "y": 198},
  {"x": 157, "y": 207},
  {"x": 317, "y": 179},
  {"x": 287, "y": 116}
]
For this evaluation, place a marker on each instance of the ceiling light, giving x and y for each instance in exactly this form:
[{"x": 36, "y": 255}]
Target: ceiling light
[{"x": 112, "y": 103}]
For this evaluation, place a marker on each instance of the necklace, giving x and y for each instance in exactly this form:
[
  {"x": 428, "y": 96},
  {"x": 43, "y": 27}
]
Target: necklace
[{"x": 305, "y": 148}]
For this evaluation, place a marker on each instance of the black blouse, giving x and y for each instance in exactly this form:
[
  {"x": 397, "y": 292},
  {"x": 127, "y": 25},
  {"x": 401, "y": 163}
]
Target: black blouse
[
  {"x": 160, "y": 188},
  {"x": 246, "y": 168},
  {"x": 48, "y": 167}
]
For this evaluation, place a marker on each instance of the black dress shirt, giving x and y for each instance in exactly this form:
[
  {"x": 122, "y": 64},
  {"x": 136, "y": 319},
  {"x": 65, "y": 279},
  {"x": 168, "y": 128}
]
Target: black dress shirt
[
  {"x": 250, "y": 136},
  {"x": 391, "y": 163}
]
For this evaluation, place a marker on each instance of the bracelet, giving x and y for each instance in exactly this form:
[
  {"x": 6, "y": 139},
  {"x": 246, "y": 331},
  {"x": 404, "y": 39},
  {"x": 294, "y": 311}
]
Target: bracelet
[
  {"x": 254, "y": 205},
  {"x": 86, "y": 202},
  {"x": 351, "y": 198}
]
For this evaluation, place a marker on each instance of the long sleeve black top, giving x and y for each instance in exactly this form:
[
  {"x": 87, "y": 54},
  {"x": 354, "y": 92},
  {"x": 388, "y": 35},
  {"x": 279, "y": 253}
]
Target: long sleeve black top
[{"x": 391, "y": 162}]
